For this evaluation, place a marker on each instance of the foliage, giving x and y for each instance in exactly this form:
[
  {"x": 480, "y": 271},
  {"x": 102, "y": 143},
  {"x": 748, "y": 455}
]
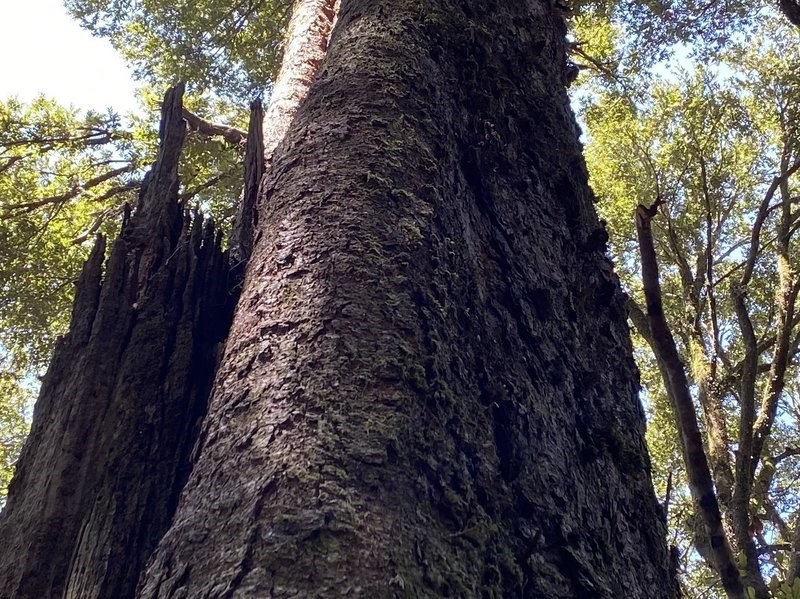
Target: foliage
[
  {"x": 61, "y": 175},
  {"x": 231, "y": 49},
  {"x": 16, "y": 400},
  {"x": 708, "y": 140}
]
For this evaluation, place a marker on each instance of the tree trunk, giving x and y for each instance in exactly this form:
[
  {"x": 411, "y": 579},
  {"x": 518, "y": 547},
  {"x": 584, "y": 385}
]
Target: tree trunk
[
  {"x": 428, "y": 388},
  {"x": 99, "y": 478},
  {"x": 307, "y": 37}
]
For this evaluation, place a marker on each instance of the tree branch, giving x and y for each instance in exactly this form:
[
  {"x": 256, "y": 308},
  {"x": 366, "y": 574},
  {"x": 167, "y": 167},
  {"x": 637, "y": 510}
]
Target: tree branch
[
  {"x": 763, "y": 210},
  {"x": 93, "y": 137},
  {"x": 747, "y": 413},
  {"x": 233, "y": 136},
  {"x": 699, "y": 474},
  {"x": 10, "y": 162},
  {"x": 777, "y": 373},
  {"x": 97, "y": 223},
  {"x": 774, "y": 547},
  {"x": 75, "y": 191},
  {"x": 190, "y": 193}
]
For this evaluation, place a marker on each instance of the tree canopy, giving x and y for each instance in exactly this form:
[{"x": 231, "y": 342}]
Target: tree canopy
[{"x": 716, "y": 143}]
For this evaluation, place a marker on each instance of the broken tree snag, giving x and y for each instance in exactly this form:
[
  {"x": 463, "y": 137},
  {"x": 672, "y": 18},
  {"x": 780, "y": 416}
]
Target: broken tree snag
[
  {"x": 100, "y": 474},
  {"x": 699, "y": 474},
  {"x": 246, "y": 218}
]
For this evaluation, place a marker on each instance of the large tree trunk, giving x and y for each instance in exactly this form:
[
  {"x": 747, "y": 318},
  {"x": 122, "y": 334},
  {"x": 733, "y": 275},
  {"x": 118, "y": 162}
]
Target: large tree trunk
[
  {"x": 428, "y": 388},
  {"x": 99, "y": 478}
]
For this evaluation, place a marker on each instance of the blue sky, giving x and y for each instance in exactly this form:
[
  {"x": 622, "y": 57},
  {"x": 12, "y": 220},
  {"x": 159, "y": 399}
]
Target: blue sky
[{"x": 42, "y": 50}]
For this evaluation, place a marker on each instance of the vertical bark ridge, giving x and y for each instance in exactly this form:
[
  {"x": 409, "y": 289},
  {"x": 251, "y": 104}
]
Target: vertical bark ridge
[
  {"x": 246, "y": 218},
  {"x": 99, "y": 477},
  {"x": 428, "y": 389}
]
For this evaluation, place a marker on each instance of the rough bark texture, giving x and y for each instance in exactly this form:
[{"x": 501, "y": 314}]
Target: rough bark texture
[
  {"x": 306, "y": 43},
  {"x": 99, "y": 478},
  {"x": 791, "y": 10},
  {"x": 428, "y": 389}
]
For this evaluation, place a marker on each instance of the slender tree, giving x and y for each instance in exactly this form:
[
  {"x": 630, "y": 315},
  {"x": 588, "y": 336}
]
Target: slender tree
[{"x": 718, "y": 332}]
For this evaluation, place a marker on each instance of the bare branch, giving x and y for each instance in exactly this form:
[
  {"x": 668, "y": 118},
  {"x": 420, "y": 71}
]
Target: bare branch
[
  {"x": 10, "y": 162},
  {"x": 190, "y": 193},
  {"x": 97, "y": 223},
  {"x": 763, "y": 210},
  {"x": 777, "y": 374},
  {"x": 73, "y": 192},
  {"x": 773, "y": 548},
  {"x": 699, "y": 474},
  {"x": 92, "y": 137},
  {"x": 233, "y": 136}
]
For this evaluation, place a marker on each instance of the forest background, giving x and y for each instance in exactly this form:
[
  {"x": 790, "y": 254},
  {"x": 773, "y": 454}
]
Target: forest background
[{"x": 690, "y": 104}]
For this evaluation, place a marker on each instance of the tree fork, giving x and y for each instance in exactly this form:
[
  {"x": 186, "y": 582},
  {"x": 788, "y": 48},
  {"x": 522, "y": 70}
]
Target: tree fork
[{"x": 307, "y": 38}]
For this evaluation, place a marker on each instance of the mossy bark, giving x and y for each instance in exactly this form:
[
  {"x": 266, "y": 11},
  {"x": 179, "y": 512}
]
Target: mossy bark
[{"x": 428, "y": 388}]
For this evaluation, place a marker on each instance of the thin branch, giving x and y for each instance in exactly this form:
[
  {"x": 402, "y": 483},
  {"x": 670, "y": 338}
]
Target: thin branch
[
  {"x": 72, "y": 193},
  {"x": 668, "y": 495},
  {"x": 94, "y": 137},
  {"x": 190, "y": 193},
  {"x": 10, "y": 162},
  {"x": 777, "y": 374},
  {"x": 773, "y": 548},
  {"x": 233, "y": 136},
  {"x": 684, "y": 270},
  {"x": 708, "y": 256},
  {"x": 788, "y": 452},
  {"x": 763, "y": 210},
  {"x": 600, "y": 67},
  {"x": 132, "y": 186},
  {"x": 97, "y": 223}
]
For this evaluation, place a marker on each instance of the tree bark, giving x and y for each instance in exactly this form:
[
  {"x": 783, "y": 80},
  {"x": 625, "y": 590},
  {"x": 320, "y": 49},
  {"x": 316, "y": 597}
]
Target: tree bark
[
  {"x": 306, "y": 43},
  {"x": 428, "y": 389},
  {"x": 98, "y": 480}
]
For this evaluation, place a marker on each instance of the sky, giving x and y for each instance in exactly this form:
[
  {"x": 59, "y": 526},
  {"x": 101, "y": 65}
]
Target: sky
[{"x": 42, "y": 50}]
